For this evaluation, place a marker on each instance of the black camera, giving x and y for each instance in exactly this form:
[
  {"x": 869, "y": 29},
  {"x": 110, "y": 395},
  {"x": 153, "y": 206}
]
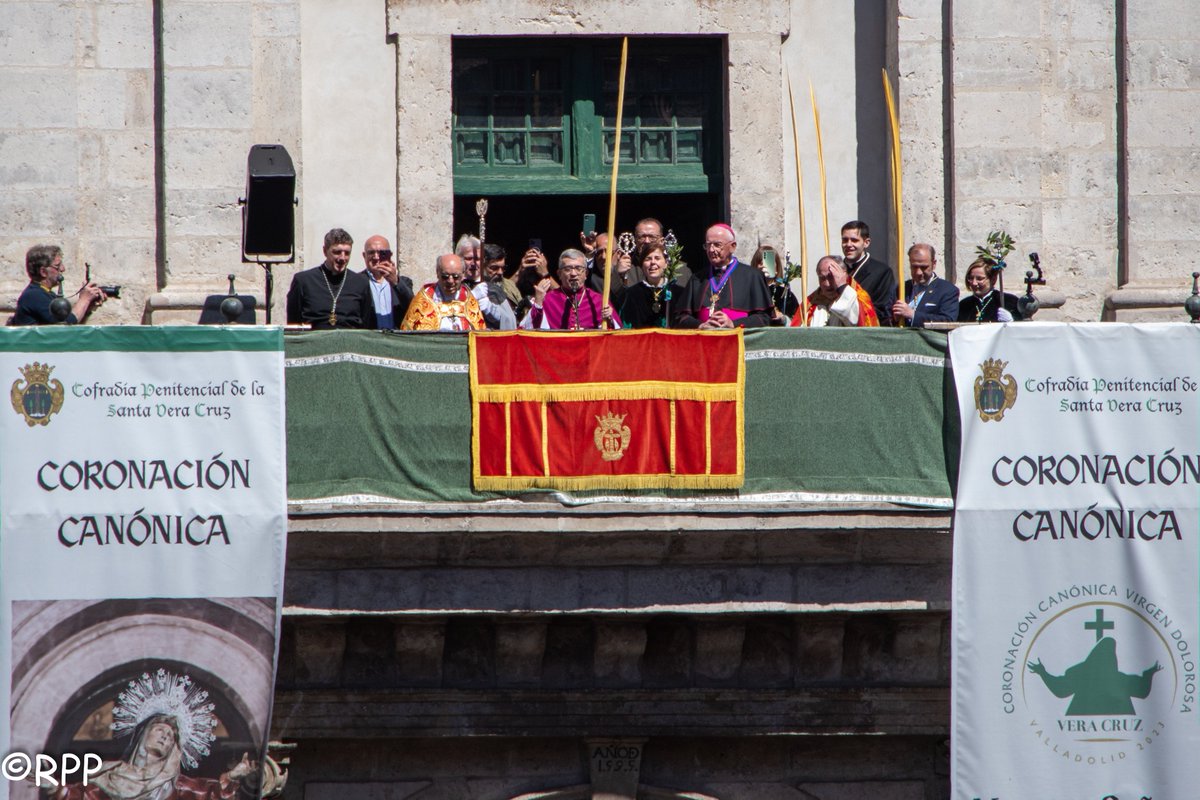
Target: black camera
[{"x": 109, "y": 291}]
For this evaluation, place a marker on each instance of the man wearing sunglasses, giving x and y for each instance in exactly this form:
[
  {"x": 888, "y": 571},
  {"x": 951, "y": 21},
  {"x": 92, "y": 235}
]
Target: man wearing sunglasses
[{"x": 391, "y": 291}]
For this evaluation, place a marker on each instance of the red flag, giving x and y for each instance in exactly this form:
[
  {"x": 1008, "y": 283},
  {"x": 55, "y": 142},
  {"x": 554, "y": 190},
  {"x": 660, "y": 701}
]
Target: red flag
[{"x": 607, "y": 410}]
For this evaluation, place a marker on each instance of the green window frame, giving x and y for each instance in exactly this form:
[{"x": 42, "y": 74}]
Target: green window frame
[{"x": 538, "y": 115}]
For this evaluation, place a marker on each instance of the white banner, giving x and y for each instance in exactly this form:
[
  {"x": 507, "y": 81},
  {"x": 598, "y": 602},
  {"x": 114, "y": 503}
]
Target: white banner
[
  {"x": 1075, "y": 562},
  {"x": 142, "y": 528}
]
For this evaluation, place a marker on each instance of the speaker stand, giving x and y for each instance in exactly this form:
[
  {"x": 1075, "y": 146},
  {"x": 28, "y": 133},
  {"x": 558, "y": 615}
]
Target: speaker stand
[{"x": 269, "y": 280}]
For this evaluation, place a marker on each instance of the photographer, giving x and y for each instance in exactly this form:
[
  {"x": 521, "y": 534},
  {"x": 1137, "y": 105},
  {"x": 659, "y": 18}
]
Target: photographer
[{"x": 44, "y": 264}]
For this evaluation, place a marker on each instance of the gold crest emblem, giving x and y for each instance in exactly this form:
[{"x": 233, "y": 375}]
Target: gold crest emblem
[
  {"x": 995, "y": 392},
  {"x": 611, "y": 436},
  {"x": 40, "y": 397}
]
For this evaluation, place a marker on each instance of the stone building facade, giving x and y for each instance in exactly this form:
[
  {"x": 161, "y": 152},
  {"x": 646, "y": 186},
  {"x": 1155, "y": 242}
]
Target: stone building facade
[
  {"x": 125, "y": 129},
  {"x": 549, "y": 652}
]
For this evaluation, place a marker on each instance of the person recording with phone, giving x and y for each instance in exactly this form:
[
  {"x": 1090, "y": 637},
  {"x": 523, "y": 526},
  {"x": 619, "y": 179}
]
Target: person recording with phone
[
  {"x": 390, "y": 291},
  {"x": 43, "y": 263}
]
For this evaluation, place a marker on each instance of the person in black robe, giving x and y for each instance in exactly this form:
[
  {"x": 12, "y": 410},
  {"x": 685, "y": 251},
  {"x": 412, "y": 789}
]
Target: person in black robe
[
  {"x": 985, "y": 304},
  {"x": 724, "y": 296},
  {"x": 645, "y": 304},
  {"x": 331, "y": 296},
  {"x": 876, "y": 277}
]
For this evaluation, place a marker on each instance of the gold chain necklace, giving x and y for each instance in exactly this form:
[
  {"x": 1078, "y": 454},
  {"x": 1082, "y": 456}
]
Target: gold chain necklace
[{"x": 333, "y": 308}]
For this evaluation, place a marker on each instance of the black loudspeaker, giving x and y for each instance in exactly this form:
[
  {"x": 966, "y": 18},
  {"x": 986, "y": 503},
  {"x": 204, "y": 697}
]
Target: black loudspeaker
[{"x": 268, "y": 210}]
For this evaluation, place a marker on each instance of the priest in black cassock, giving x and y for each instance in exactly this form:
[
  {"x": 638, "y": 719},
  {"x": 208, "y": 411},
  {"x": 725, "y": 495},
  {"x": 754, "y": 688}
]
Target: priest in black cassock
[
  {"x": 876, "y": 277},
  {"x": 726, "y": 295},
  {"x": 331, "y": 296}
]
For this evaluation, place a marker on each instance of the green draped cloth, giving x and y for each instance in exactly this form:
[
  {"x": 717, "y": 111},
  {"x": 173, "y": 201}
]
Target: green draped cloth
[{"x": 862, "y": 415}]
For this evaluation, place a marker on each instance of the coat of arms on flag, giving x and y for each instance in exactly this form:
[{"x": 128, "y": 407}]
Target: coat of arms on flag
[{"x": 607, "y": 410}]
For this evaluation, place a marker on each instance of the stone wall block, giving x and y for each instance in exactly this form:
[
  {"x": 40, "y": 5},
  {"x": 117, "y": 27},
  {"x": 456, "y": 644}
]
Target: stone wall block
[
  {"x": 980, "y": 19},
  {"x": 988, "y": 172},
  {"x": 1092, "y": 175},
  {"x": 1164, "y": 19},
  {"x": 203, "y": 159},
  {"x": 369, "y": 660},
  {"x": 320, "y": 648},
  {"x": 276, "y": 97},
  {"x": 1158, "y": 262},
  {"x": 38, "y": 160},
  {"x": 37, "y": 34},
  {"x": 869, "y": 648},
  {"x": 819, "y": 648},
  {"x": 1083, "y": 66},
  {"x": 997, "y": 119},
  {"x": 1004, "y": 64},
  {"x": 202, "y": 34},
  {"x": 124, "y": 35},
  {"x": 129, "y": 159},
  {"x": 280, "y": 20},
  {"x": 569, "y": 658},
  {"x": 1021, "y": 218},
  {"x": 718, "y": 651},
  {"x": 204, "y": 212},
  {"x": 37, "y": 98},
  {"x": 919, "y": 20},
  {"x": 139, "y": 99},
  {"x": 520, "y": 648},
  {"x": 419, "y": 650},
  {"x": 29, "y": 213},
  {"x": 1163, "y": 119},
  {"x": 206, "y": 260},
  {"x": 1157, "y": 64},
  {"x": 619, "y": 648},
  {"x": 211, "y": 98},
  {"x": 668, "y": 658},
  {"x": 102, "y": 97},
  {"x": 916, "y": 657},
  {"x": 470, "y": 654},
  {"x": 767, "y": 654},
  {"x": 1162, "y": 218},
  {"x": 123, "y": 260}
]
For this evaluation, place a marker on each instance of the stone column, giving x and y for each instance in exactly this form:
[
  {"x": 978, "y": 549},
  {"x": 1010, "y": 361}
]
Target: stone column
[
  {"x": 1035, "y": 141},
  {"x": 921, "y": 67},
  {"x": 1162, "y": 110}
]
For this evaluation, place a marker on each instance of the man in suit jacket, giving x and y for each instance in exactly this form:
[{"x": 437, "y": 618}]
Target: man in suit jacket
[
  {"x": 390, "y": 291},
  {"x": 930, "y": 298},
  {"x": 873, "y": 275}
]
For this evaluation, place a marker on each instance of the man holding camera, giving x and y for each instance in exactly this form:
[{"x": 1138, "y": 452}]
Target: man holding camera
[
  {"x": 391, "y": 291},
  {"x": 44, "y": 265}
]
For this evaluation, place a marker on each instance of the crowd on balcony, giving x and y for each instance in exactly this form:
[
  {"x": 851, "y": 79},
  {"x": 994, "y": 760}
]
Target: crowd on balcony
[{"x": 649, "y": 286}]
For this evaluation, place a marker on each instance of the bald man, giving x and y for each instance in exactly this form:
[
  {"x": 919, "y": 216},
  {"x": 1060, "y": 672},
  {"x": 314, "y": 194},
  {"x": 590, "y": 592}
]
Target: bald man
[
  {"x": 727, "y": 294},
  {"x": 390, "y": 291}
]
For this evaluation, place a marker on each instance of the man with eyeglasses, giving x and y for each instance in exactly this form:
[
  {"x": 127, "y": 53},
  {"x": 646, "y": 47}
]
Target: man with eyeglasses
[
  {"x": 330, "y": 296},
  {"x": 572, "y": 306},
  {"x": 726, "y": 295},
  {"x": 391, "y": 292},
  {"x": 448, "y": 305},
  {"x": 43, "y": 264}
]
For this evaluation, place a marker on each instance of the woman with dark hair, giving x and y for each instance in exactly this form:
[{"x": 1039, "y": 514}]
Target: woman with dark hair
[
  {"x": 985, "y": 304},
  {"x": 645, "y": 304}
]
